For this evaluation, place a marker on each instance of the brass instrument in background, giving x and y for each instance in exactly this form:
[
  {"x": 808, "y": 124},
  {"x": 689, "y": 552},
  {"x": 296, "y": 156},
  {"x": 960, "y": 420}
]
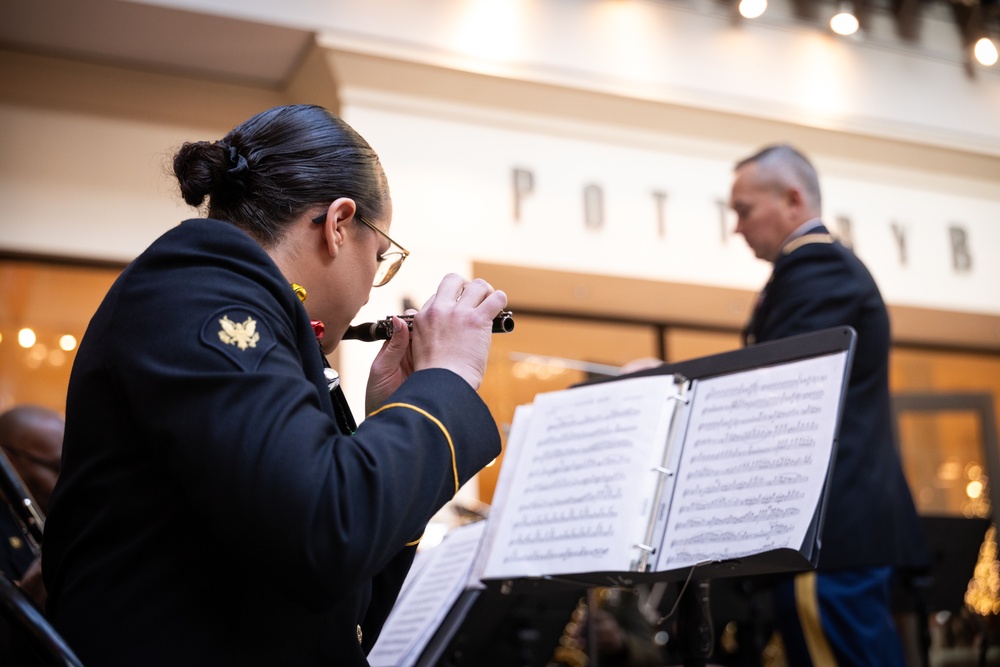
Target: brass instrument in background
[
  {"x": 571, "y": 652},
  {"x": 573, "y": 649}
]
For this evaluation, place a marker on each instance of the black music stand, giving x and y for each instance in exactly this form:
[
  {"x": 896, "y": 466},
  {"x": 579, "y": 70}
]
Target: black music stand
[
  {"x": 27, "y": 634},
  {"x": 488, "y": 628},
  {"x": 517, "y": 622}
]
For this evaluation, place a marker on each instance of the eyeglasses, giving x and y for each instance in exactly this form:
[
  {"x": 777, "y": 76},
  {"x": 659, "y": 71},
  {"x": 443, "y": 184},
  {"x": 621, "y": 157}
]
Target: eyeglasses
[{"x": 388, "y": 262}]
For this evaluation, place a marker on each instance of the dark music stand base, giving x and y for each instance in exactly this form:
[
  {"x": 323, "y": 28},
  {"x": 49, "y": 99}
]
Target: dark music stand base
[{"x": 487, "y": 628}]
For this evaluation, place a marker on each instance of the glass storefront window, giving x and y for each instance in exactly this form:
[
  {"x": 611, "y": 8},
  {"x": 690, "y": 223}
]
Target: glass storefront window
[{"x": 44, "y": 310}]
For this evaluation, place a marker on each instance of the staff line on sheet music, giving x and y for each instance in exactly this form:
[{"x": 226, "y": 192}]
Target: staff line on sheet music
[
  {"x": 765, "y": 387},
  {"x": 765, "y": 401},
  {"x": 559, "y": 422},
  {"x": 751, "y": 466},
  {"x": 725, "y": 554},
  {"x": 577, "y": 466},
  {"x": 594, "y": 447},
  {"x": 758, "y": 417},
  {"x": 586, "y": 514},
  {"x": 607, "y": 493},
  {"x": 728, "y": 501},
  {"x": 552, "y": 535},
  {"x": 769, "y": 514},
  {"x": 757, "y": 433},
  {"x": 741, "y": 485},
  {"x": 565, "y": 554},
  {"x": 578, "y": 435},
  {"x": 781, "y": 445},
  {"x": 582, "y": 481},
  {"x": 733, "y": 535}
]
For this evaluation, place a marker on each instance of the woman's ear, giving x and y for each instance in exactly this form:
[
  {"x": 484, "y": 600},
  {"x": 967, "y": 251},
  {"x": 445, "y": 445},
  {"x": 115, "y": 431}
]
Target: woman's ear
[{"x": 340, "y": 212}]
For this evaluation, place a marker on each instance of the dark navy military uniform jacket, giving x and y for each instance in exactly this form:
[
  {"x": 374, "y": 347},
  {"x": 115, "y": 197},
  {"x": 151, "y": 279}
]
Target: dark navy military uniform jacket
[
  {"x": 870, "y": 517},
  {"x": 209, "y": 511}
]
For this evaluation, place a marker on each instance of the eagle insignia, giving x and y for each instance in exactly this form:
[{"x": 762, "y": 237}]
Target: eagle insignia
[{"x": 242, "y": 335}]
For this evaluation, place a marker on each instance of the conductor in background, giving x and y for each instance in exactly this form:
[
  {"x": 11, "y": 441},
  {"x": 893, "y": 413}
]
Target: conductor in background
[{"x": 839, "y": 613}]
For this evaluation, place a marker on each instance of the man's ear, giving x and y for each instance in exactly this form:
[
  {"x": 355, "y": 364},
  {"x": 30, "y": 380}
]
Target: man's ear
[
  {"x": 340, "y": 212},
  {"x": 793, "y": 195}
]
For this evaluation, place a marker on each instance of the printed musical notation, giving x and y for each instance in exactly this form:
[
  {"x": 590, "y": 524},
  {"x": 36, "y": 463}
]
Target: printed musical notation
[
  {"x": 581, "y": 491},
  {"x": 435, "y": 581},
  {"x": 619, "y": 476},
  {"x": 758, "y": 449}
]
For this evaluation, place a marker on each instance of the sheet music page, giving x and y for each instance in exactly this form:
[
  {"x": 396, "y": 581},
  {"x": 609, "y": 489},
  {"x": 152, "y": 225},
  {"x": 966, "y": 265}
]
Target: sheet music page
[
  {"x": 582, "y": 491},
  {"x": 429, "y": 593},
  {"x": 754, "y": 461},
  {"x": 508, "y": 472}
]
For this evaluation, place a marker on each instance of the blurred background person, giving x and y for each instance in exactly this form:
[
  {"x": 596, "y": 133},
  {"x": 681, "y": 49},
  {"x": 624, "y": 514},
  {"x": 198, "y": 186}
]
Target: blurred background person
[
  {"x": 31, "y": 438},
  {"x": 31, "y": 441}
]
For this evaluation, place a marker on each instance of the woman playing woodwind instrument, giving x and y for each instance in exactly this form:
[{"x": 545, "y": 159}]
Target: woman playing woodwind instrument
[{"x": 214, "y": 507}]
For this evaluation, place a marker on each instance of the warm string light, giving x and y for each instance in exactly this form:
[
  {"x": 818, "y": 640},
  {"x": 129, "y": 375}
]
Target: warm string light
[
  {"x": 38, "y": 353},
  {"x": 26, "y": 337},
  {"x": 982, "y": 595}
]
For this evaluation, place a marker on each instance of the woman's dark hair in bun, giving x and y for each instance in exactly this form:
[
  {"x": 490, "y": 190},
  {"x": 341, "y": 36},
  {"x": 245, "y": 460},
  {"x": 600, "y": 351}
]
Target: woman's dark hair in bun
[{"x": 274, "y": 166}]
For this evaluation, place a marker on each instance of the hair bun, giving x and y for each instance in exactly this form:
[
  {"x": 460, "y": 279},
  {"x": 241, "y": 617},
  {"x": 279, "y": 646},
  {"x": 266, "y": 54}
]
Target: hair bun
[{"x": 199, "y": 166}]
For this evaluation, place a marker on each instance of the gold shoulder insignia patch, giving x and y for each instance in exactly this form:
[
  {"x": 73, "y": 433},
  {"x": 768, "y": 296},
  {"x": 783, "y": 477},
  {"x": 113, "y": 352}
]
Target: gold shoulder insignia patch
[{"x": 242, "y": 335}]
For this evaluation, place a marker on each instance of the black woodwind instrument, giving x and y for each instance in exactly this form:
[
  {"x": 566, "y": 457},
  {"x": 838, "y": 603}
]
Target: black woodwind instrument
[{"x": 382, "y": 330}]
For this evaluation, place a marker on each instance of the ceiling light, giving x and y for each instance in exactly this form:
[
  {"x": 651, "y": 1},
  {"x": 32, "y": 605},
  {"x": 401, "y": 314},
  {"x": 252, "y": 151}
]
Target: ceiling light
[
  {"x": 986, "y": 51},
  {"x": 751, "y": 9},
  {"x": 844, "y": 22}
]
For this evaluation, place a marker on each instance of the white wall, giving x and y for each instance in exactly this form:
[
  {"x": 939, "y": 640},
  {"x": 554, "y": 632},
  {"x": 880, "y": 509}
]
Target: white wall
[
  {"x": 678, "y": 51},
  {"x": 449, "y": 168},
  {"x": 85, "y": 186},
  {"x": 453, "y": 193},
  {"x": 85, "y": 152}
]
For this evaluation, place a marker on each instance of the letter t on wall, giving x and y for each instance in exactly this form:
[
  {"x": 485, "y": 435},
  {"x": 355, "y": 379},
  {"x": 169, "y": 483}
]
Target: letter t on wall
[
  {"x": 660, "y": 199},
  {"x": 899, "y": 232}
]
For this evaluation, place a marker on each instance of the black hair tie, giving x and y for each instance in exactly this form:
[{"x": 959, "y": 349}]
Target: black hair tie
[{"x": 239, "y": 170}]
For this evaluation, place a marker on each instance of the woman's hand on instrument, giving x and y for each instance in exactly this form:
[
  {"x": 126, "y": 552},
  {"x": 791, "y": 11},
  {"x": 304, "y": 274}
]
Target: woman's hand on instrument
[
  {"x": 392, "y": 365},
  {"x": 453, "y": 330}
]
